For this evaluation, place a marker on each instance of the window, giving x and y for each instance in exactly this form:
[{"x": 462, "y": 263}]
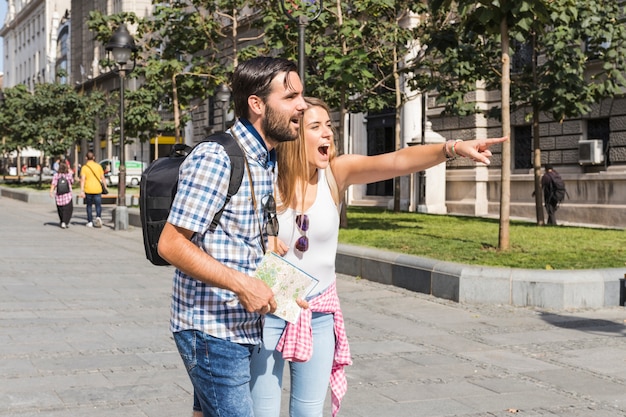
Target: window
[
  {"x": 522, "y": 57},
  {"x": 523, "y": 147},
  {"x": 380, "y": 139}
]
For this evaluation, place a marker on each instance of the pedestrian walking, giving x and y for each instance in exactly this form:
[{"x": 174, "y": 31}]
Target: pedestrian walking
[
  {"x": 554, "y": 192},
  {"x": 91, "y": 188},
  {"x": 61, "y": 190}
]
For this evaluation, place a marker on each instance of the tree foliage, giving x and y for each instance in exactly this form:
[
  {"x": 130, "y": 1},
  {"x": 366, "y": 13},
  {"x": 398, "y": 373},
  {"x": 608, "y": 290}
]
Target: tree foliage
[
  {"x": 50, "y": 119},
  {"x": 352, "y": 49},
  {"x": 580, "y": 47},
  {"x": 181, "y": 47}
]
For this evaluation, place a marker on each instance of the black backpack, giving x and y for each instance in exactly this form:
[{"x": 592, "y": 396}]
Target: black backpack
[
  {"x": 63, "y": 186},
  {"x": 159, "y": 183},
  {"x": 557, "y": 188}
]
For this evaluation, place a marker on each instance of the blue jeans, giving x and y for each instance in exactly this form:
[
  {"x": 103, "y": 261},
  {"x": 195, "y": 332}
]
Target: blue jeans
[
  {"x": 220, "y": 373},
  {"x": 91, "y": 199},
  {"x": 309, "y": 380}
]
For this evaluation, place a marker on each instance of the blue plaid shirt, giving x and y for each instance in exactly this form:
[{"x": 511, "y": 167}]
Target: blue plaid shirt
[{"x": 202, "y": 186}]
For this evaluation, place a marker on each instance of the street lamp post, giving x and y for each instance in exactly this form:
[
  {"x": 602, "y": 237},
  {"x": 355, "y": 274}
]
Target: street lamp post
[
  {"x": 223, "y": 97},
  {"x": 122, "y": 47},
  {"x": 302, "y": 12}
]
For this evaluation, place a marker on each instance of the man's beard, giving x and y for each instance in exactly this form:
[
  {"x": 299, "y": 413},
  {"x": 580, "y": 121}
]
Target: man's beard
[{"x": 276, "y": 128}]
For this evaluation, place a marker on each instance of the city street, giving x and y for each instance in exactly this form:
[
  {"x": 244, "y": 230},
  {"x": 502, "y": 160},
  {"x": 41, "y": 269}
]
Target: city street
[{"x": 84, "y": 331}]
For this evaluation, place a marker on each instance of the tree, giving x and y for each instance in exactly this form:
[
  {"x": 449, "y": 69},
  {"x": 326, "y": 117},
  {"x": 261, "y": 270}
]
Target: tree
[
  {"x": 355, "y": 53},
  {"x": 475, "y": 49},
  {"x": 60, "y": 117},
  {"x": 187, "y": 49},
  {"x": 51, "y": 119},
  {"x": 15, "y": 127}
]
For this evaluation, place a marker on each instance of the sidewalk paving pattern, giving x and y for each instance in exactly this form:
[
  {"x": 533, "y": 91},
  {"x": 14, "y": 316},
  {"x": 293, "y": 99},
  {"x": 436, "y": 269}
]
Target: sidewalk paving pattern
[{"x": 84, "y": 324}]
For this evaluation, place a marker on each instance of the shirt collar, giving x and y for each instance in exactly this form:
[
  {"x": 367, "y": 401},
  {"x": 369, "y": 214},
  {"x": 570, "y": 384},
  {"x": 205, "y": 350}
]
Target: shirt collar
[{"x": 271, "y": 155}]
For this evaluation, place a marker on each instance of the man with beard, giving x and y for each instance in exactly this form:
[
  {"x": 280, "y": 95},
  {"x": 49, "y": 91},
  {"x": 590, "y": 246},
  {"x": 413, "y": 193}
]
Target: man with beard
[{"x": 217, "y": 305}]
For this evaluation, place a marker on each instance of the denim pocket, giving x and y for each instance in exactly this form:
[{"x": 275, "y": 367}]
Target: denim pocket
[{"x": 186, "y": 344}]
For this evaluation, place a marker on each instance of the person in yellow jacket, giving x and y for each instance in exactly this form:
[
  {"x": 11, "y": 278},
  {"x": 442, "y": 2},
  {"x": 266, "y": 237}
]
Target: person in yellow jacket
[{"x": 91, "y": 182}]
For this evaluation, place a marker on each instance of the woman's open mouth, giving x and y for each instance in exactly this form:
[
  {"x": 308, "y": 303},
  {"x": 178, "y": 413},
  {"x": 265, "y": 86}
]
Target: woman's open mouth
[{"x": 324, "y": 149}]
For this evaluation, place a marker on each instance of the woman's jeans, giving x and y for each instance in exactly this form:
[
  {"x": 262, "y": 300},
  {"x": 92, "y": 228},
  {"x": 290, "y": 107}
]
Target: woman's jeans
[
  {"x": 309, "y": 380},
  {"x": 220, "y": 373},
  {"x": 91, "y": 199}
]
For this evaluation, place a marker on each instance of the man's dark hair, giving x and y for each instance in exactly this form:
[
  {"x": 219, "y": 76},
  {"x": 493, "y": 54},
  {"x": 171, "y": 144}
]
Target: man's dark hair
[{"x": 254, "y": 77}]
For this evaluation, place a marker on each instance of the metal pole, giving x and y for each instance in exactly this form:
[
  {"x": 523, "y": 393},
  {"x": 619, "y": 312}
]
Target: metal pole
[
  {"x": 121, "y": 200},
  {"x": 224, "y": 107},
  {"x": 121, "y": 211},
  {"x": 302, "y": 22}
]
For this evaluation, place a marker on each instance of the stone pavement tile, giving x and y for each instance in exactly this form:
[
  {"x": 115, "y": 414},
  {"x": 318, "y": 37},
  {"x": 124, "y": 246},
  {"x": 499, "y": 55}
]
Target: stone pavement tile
[
  {"x": 580, "y": 384},
  {"x": 171, "y": 407},
  {"x": 588, "y": 411},
  {"x": 53, "y": 382},
  {"x": 167, "y": 359},
  {"x": 609, "y": 360},
  {"x": 509, "y": 361},
  {"x": 455, "y": 343},
  {"x": 371, "y": 319},
  {"x": 367, "y": 402},
  {"x": 14, "y": 366},
  {"x": 12, "y": 403},
  {"x": 98, "y": 361},
  {"x": 548, "y": 335},
  {"x": 115, "y": 394},
  {"x": 527, "y": 400},
  {"x": 381, "y": 369},
  {"x": 11, "y": 353},
  {"x": 408, "y": 391}
]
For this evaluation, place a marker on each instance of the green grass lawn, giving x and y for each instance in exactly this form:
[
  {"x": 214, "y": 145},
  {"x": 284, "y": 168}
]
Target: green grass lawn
[{"x": 473, "y": 240}]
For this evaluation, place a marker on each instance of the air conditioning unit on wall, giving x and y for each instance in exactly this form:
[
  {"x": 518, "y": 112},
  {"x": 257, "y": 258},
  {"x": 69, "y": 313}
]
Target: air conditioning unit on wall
[{"x": 590, "y": 152}]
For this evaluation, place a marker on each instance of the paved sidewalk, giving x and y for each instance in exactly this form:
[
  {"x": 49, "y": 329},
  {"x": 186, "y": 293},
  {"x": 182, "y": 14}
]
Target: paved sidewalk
[{"x": 84, "y": 331}]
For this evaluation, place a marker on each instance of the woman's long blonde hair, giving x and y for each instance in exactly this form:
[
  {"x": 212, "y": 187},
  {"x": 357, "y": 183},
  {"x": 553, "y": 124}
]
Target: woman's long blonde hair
[{"x": 293, "y": 166}]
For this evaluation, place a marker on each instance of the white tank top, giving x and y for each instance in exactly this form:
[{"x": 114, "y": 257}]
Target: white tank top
[{"x": 319, "y": 259}]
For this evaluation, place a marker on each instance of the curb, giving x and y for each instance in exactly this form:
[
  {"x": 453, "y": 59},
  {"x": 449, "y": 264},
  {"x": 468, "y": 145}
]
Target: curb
[{"x": 570, "y": 289}]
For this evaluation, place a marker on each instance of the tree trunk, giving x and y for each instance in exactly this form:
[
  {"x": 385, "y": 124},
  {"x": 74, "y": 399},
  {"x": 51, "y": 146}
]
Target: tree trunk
[
  {"x": 537, "y": 167},
  {"x": 537, "y": 145},
  {"x": 505, "y": 186},
  {"x": 398, "y": 129},
  {"x": 343, "y": 215}
]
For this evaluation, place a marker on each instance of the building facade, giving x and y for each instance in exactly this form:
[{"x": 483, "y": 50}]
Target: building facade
[
  {"x": 86, "y": 72},
  {"x": 29, "y": 36}
]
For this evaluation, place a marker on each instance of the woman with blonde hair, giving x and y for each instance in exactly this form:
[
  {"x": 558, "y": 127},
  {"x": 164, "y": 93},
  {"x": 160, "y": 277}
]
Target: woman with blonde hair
[{"x": 311, "y": 177}]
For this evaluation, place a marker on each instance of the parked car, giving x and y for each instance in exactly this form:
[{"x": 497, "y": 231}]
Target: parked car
[{"x": 134, "y": 169}]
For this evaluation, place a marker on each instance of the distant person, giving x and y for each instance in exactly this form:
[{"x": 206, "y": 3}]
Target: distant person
[
  {"x": 63, "y": 194},
  {"x": 91, "y": 181},
  {"x": 554, "y": 192},
  {"x": 55, "y": 166}
]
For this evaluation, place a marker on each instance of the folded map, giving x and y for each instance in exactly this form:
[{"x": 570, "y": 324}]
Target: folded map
[{"x": 288, "y": 283}]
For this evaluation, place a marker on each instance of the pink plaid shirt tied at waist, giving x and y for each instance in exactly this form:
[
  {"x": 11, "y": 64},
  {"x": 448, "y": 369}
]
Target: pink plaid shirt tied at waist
[{"x": 296, "y": 343}]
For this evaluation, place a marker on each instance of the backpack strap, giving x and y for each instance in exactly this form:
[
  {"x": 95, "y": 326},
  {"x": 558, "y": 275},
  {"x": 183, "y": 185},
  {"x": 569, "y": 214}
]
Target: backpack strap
[{"x": 237, "y": 168}]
